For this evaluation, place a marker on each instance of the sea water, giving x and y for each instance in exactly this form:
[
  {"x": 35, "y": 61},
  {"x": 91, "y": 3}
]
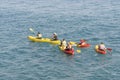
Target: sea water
[{"x": 94, "y": 20}]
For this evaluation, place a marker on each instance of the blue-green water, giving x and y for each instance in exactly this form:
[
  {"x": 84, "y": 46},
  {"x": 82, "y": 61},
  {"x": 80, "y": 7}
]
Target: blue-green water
[{"x": 94, "y": 20}]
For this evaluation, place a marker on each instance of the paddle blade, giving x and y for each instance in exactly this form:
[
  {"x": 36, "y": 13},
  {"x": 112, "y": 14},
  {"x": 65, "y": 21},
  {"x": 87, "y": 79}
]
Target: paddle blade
[
  {"x": 109, "y": 49},
  {"x": 32, "y": 30},
  {"x": 78, "y": 51}
]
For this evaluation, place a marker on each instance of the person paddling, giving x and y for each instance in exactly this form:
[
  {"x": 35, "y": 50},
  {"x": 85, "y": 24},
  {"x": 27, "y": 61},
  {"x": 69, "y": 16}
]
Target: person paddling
[
  {"x": 82, "y": 42},
  {"x": 39, "y": 35},
  {"x": 63, "y": 44},
  {"x": 102, "y": 46},
  {"x": 54, "y": 36},
  {"x": 69, "y": 46}
]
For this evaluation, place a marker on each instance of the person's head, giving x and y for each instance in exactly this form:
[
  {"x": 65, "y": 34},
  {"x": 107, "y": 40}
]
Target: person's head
[
  {"x": 82, "y": 40},
  {"x": 38, "y": 32},
  {"x": 101, "y": 43},
  {"x": 54, "y": 33},
  {"x": 63, "y": 39}
]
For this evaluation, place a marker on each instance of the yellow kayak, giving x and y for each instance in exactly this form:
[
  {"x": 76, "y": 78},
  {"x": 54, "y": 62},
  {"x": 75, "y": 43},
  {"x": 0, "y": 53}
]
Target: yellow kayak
[
  {"x": 35, "y": 39},
  {"x": 57, "y": 42}
]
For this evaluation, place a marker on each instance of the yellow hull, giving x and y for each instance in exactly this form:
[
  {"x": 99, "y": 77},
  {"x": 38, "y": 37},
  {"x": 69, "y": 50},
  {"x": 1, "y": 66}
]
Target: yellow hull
[
  {"x": 34, "y": 39},
  {"x": 57, "y": 42}
]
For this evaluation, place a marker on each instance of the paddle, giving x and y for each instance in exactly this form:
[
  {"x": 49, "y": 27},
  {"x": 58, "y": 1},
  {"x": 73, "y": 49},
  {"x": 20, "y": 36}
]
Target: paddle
[
  {"x": 32, "y": 30},
  {"x": 75, "y": 44},
  {"x": 109, "y": 49},
  {"x": 78, "y": 51}
]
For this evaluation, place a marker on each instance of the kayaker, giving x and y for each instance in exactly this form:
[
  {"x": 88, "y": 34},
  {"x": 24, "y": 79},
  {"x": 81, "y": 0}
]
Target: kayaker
[
  {"x": 63, "y": 43},
  {"x": 82, "y": 42},
  {"x": 54, "y": 36},
  {"x": 102, "y": 46},
  {"x": 39, "y": 35},
  {"x": 69, "y": 46}
]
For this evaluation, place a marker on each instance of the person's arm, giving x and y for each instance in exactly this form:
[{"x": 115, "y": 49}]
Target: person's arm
[{"x": 105, "y": 47}]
